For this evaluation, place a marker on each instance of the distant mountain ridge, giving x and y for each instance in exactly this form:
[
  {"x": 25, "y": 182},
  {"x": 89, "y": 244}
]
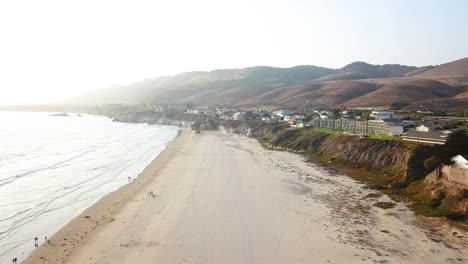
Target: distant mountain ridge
[
  {"x": 357, "y": 84},
  {"x": 362, "y": 70}
]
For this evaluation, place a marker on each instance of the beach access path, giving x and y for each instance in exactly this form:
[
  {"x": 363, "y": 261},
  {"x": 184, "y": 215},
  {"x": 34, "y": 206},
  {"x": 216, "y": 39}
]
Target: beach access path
[{"x": 221, "y": 198}]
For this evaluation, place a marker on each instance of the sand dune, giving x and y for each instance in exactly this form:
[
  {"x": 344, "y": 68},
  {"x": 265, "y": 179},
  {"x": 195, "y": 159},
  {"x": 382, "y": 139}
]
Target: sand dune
[{"x": 220, "y": 198}]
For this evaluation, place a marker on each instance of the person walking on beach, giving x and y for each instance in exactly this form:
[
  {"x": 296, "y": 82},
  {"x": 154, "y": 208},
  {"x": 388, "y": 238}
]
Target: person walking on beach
[{"x": 36, "y": 242}]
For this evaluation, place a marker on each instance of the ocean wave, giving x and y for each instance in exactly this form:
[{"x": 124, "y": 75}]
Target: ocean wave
[
  {"x": 77, "y": 167},
  {"x": 57, "y": 165}
]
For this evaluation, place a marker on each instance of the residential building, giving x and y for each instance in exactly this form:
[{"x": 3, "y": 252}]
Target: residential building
[
  {"x": 423, "y": 128},
  {"x": 174, "y": 108},
  {"x": 388, "y": 127},
  {"x": 298, "y": 125},
  {"x": 269, "y": 119},
  {"x": 382, "y": 115},
  {"x": 294, "y": 119},
  {"x": 324, "y": 123},
  {"x": 239, "y": 116},
  {"x": 371, "y": 126},
  {"x": 407, "y": 123},
  {"x": 227, "y": 115},
  {"x": 283, "y": 113},
  {"x": 425, "y": 137},
  {"x": 461, "y": 161},
  {"x": 199, "y": 110}
]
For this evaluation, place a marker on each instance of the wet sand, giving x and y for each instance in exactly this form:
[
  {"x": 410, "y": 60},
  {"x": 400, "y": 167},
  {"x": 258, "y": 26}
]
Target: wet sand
[{"x": 220, "y": 198}]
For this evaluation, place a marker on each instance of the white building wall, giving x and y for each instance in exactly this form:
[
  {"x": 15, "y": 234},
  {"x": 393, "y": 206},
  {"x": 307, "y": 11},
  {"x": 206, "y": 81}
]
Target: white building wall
[
  {"x": 460, "y": 161},
  {"x": 395, "y": 130},
  {"x": 423, "y": 128},
  {"x": 382, "y": 115},
  {"x": 239, "y": 116}
]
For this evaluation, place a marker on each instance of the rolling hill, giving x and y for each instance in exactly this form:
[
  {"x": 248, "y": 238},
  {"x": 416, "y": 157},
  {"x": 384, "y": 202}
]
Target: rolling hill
[
  {"x": 231, "y": 86},
  {"x": 455, "y": 69},
  {"x": 358, "y": 84},
  {"x": 362, "y": 70}
]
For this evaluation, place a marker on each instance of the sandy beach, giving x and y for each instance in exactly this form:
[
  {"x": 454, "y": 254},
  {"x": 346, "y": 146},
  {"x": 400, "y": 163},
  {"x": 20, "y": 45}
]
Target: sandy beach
[{"x": 221, "y": 198}]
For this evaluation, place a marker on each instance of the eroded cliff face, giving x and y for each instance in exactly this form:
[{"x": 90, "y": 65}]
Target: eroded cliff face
[
  {"x": 399, "y": 161},
  {"x": 388, "y": 156},
  {"x": 399, "y": 167},
  {"x": 451, "y": 179},
  {"x": 445, "y": 187}
]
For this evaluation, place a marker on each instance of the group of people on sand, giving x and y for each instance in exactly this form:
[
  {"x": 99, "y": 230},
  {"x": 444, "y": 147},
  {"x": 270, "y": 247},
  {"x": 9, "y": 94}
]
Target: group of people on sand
[
  {"x": 36, "y": 241},
  {"x": 151, "y": 194},
  {"x": 36, "y": 244}
]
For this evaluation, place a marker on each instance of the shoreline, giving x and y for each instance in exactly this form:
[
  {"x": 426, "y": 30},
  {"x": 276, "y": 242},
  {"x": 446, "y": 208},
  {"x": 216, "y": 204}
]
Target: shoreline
[{"x": 101, "y": 212}]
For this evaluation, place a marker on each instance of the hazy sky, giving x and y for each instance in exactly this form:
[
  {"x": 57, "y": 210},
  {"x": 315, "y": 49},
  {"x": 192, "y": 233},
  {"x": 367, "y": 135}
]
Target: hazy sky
[{"x": 51, "y": 50}]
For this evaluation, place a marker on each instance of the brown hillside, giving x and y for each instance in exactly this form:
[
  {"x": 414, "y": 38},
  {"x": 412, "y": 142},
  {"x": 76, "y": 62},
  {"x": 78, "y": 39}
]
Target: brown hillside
[
  {"x": 455, "y": 69},
  {"x": 326, "y": 94},
  {"x": 453, "y": 73},
  {"x": 361, "y": 70},
  {"x": 397, "y": 93},
  {"x": 358, "y": 84},
  {"x": 462, "y": 95},
  {"x": 441, "y": 104},
  {"x": 419, "y": 70}
]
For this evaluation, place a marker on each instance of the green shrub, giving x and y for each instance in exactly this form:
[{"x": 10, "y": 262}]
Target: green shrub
[{"x": 431, "y": 163}]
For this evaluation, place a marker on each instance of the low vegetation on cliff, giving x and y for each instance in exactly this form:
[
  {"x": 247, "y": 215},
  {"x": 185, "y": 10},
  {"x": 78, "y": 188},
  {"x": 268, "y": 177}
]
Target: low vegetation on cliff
[{"x": 399, "y": 168}]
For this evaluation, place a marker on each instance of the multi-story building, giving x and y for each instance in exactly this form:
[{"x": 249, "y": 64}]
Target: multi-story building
[
  {"x": 371, "y": 126},
  {"x": 239, "y": 116},
  {"x": 324, "y": 123}
]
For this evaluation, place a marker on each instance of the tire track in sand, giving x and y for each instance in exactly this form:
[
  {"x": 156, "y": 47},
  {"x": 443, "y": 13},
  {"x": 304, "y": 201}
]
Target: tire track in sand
[{"x": 247, "y": 247}]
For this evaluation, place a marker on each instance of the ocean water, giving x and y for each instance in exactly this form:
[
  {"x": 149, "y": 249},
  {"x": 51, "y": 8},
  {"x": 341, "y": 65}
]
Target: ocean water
[{"x": 54, "y": 167}]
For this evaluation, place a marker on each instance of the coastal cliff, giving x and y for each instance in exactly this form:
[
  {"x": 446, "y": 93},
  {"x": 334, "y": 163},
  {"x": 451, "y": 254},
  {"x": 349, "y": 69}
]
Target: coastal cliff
[
  {"x": 445, "y": 189},
  {"x": 167, "y": 118},
  {"x": 399, "y": 168},
  {"x": 391, "y": 160}
]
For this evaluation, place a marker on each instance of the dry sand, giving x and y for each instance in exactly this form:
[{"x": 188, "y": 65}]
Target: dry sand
[{"x": 221, "y": 198}]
